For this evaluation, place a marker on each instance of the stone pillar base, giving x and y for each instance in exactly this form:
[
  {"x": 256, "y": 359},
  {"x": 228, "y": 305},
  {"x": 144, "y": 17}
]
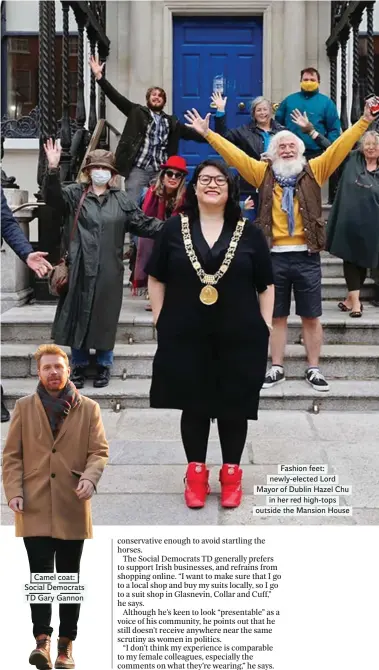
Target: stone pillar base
[{"x": 14, "y": 299}]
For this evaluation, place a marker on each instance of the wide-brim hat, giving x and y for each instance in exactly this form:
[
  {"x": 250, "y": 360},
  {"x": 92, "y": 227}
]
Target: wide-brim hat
[
  {"x": 175, "y": 162},
  {"x": 101, "y": 158}
]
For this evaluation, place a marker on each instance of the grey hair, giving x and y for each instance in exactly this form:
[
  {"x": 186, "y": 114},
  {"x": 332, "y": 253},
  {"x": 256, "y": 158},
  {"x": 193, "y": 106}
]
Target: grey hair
[
  {"x": 257, "y": 101},
  {"x": 368, "y": 133},
  {"x": 272, "y": 151}
]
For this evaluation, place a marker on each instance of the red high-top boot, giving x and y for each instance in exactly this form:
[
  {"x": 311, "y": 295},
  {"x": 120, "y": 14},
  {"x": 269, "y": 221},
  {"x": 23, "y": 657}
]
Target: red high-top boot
[
  {"x": 231, "y": 489},
  {"x": 197, "y": 487}
]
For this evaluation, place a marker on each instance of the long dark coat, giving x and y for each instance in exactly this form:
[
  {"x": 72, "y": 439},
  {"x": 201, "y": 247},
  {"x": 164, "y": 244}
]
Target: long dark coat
[
  {"x": 210, "y": 359},
  {"x": 353, "y": 223},
  {"x": 87, "y": 316}
]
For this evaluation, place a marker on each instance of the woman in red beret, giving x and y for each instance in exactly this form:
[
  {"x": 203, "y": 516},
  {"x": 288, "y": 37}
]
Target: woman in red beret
[{"x": 163, "y": 199}]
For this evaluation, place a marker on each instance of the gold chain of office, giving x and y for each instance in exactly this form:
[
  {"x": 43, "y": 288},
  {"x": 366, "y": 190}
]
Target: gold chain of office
[{"x": 209, "y": 294}]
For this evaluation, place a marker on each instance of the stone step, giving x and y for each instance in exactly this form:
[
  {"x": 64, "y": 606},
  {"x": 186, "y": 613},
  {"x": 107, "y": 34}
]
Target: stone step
[
  {"x": 332, "y": 267},
  {"x": 135, "y": 361},
  {"x": 32, "y": 323},
  {"x": 333, "y": 288},
  {"x": 292, "y": 395}
]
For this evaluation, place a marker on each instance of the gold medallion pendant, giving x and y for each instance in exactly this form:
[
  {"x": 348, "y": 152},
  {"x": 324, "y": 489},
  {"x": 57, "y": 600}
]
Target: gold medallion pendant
[{"x": 208, "y": 295}]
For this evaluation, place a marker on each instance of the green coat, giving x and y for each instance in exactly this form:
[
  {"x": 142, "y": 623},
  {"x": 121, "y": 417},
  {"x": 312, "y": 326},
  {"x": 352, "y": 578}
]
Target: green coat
[
  {"x": 87, "y": 315},
  {"x": 353, "y": 223}
]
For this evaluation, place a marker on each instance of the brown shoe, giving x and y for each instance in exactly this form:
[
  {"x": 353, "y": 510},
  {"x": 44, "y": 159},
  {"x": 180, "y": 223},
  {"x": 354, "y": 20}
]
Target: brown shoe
[
  {"x": 40, "y": 656},
  {"x": 64, "y": 658}
]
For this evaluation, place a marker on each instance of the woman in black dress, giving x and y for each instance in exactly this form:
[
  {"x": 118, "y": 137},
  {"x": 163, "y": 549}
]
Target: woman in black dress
[{"x": 212, "y": 295}]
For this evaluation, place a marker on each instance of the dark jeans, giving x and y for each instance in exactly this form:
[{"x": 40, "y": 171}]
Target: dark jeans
[
  {"x": 195, "y": 434},
  {"x": 67, "y": 553},
  {"x": 80, "y": 358}
]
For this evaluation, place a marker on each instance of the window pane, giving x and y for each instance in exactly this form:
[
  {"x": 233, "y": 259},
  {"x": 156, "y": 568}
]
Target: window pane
[{"x": 23, "y": 76}]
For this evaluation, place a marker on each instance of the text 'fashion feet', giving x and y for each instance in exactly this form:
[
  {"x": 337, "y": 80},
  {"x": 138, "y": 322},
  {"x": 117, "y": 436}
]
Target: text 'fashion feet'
[
  {"x": 314, "y": 377},
  {"x": 64, "y": 658},
  {"x": 197, "y": 487},
  {"x": 231, "y": 488},
  {"x": 102, "y": 377},
  {"x": 274, "y": 376},
  {"x": 78, "y": 376},
  {"x": 40, "y": 656}
]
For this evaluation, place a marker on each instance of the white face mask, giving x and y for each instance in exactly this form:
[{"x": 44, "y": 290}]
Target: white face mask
[{"x": 100, "y": 177}]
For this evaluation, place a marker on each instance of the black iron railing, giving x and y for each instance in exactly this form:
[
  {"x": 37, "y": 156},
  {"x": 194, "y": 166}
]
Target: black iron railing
[
  {"x": 44, "y": 121},
  {"x": 346, "y": 22}
]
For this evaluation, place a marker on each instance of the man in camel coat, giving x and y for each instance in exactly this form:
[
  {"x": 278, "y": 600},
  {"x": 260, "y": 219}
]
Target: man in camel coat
[{"x": 54, "y": 456}]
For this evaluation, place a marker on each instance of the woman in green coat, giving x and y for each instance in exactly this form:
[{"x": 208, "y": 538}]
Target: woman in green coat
[
  {"x": 353, "y": 224},
  {"x": 87, "y": 316}
]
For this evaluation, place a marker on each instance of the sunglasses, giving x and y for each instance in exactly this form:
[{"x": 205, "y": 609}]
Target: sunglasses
[{"x": 174, "y": 175}]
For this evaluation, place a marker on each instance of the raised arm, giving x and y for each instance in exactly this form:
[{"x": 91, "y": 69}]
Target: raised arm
[
  {"x": 323, "y": 166},
  {"x": 122, "y": 103},
  {"x": 250, "y": 169},
  {"x": 306, "y": 126}
]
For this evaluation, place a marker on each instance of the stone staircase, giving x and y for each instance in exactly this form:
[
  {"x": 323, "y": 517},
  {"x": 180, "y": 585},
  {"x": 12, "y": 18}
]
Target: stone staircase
[{"x": 350, "y": 356}]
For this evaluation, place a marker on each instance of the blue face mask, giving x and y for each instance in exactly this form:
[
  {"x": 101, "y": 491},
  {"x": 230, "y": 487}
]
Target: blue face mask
[{"x": 100, "y": 177}]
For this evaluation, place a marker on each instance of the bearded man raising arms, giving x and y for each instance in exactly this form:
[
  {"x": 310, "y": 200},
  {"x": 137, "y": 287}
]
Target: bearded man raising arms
[{"x": 290, "y": 215}]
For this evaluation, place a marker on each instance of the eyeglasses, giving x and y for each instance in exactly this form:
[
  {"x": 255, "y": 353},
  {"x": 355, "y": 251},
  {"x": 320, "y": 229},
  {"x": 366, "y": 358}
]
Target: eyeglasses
[
  {"x": 174, "y": 175},
  {"x": 205, "y": 180}
]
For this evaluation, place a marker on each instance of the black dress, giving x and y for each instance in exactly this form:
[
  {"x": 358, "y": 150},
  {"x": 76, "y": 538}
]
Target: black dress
[{"x": 211, "y": 359}]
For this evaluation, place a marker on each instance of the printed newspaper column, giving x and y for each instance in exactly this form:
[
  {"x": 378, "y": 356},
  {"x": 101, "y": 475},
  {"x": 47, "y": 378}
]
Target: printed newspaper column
[{"x": 195, "y": 603}]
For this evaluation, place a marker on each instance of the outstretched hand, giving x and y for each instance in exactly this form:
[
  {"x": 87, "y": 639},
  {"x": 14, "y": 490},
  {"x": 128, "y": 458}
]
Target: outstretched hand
[
  {"x": 302, "y": 121},
  {"x": 37, "y": 262},
  {"x": 96, "y": 67},
  {"x": 367, "y": 111},
  {"x": 218, "y": 101},
  {"x": 196, "y": 122},
  {"x": 53, "y": 152}
]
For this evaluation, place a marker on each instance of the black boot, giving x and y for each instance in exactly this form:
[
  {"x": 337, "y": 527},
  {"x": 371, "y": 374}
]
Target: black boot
[
  {"x": 5, "y": 416},
  {"x": 102, "y": 377},
  {"x": 78, "y": 376}
]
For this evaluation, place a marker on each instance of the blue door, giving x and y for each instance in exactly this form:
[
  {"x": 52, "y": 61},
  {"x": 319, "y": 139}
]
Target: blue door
[{"x": 211, "y": 53}]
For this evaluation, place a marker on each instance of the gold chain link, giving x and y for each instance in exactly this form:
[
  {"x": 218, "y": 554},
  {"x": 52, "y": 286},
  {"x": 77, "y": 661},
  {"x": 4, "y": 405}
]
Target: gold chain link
[{"x": 205, "y": 278}]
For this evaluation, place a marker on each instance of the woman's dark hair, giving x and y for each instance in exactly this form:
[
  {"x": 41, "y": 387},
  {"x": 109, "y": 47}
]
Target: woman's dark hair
[{"x": 232, "y": 212}]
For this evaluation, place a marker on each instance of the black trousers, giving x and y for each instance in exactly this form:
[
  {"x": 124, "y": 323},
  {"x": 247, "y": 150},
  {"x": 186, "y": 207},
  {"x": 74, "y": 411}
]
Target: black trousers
[
  {"x": 354, "y": 276},
  {"x": 195, "y": 434},
  {"x": 67, "y": 554}
]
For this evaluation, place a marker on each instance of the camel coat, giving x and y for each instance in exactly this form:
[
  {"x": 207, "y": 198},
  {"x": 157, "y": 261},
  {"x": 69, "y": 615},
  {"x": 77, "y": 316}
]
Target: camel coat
[{"x": 46, "y": 472}]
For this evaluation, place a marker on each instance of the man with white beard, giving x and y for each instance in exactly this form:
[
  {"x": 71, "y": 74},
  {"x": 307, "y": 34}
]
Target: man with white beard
[{"x": 290, "y": 215}]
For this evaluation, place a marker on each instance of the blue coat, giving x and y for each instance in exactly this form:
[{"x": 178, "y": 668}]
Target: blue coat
[
  {"x": 12, "y": 233},
  {"x": 321, "y": 112}
]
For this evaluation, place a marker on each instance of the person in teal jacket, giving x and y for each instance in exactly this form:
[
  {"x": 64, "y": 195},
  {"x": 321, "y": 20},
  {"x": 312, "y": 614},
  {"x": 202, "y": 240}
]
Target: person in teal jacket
[{"x": 320, "y": 110}]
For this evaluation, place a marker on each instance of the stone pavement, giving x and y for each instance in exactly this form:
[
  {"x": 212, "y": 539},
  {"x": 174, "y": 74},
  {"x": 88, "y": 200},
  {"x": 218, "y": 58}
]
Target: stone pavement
[{"x": 143, "y": 483}]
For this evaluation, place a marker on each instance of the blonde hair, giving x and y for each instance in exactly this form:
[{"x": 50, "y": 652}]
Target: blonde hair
[
  {"x": 176, "y": 197},
  {"x": 49, "y": 350}
]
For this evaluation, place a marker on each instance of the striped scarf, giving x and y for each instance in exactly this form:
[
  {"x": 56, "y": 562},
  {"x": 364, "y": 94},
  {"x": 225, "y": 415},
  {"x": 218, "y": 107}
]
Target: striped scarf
[{"x": 58, "y": 407}]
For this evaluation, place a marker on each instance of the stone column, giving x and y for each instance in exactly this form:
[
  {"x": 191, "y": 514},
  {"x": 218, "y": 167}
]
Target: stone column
[
  {"x": 15, "y": 275},
  {"x": 294, "y": 45}
]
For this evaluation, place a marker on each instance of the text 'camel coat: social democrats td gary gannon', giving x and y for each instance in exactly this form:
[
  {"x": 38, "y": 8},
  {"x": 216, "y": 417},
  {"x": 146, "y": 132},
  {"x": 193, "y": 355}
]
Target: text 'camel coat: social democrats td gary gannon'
[{"x": 46, "y": 471}]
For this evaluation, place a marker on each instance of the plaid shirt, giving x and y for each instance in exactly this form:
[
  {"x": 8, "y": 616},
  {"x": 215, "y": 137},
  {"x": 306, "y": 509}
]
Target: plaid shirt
[{"x": 153, "y": 151}]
